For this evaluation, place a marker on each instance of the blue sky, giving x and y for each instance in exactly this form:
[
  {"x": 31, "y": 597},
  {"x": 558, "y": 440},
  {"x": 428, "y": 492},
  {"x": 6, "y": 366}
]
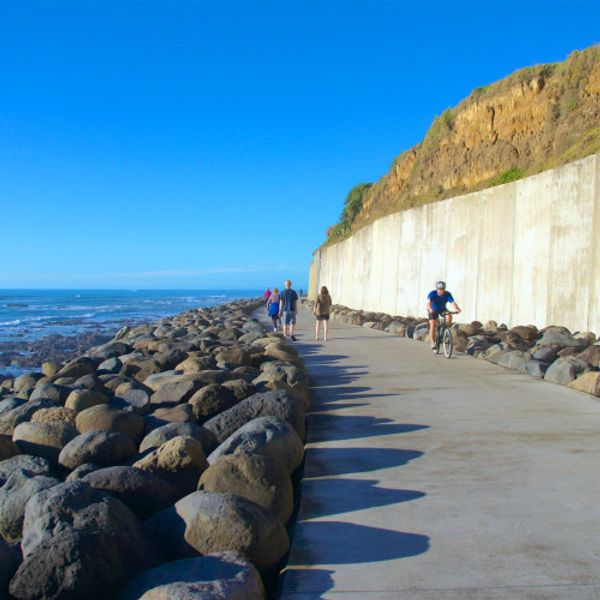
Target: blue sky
[{"x": 210, "y": 144}]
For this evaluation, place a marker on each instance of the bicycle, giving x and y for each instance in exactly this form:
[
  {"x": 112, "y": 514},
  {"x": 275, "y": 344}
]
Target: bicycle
[{"x": 444, "y": 335}]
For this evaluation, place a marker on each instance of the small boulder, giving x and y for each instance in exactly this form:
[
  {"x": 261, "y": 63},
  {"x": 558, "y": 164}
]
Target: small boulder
[
  {"x": 559, "y": 336},
  {"x": 157, "y": 437},
  {"x": 589, "y": 383},
  {"x": 55, "y": 414},
  {"x": 536, "y": 368},
  {"x": 591, "y": 355},
  {"x": 162, "y": 416},
  {"x": 211, "y": 400}
]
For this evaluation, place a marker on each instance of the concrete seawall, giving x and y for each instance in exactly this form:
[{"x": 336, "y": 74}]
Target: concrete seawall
[{"x": 523, "y": 252}]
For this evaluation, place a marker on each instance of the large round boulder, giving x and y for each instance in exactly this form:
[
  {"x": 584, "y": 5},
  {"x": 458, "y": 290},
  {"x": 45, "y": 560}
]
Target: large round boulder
[
  {"x": 204, "y": 522},
  {"x": 211, "y": 400},
  {"x": 43, "y": 439},
  {"x": 103, "y": 448},
  {"x": 143, "y": 492},
  {"x": 223, "y": 575},
  {"x": 79, "y": 543},
  {"x": 270, "y": 437},
  {"x": 254, "y": 477},
  {"x": 108, "y": 418},
  {"x": 278, "y": 403},
  {"x": 79, "y": 400}
]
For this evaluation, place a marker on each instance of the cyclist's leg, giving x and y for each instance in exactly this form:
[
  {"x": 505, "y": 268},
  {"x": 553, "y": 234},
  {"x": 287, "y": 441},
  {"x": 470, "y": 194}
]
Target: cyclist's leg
[{"x": 433, "y": 316}]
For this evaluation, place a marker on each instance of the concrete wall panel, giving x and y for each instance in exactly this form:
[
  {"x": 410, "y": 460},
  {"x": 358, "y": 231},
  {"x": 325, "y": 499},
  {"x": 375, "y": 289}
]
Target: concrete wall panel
[{"x": 524, "y": 252}]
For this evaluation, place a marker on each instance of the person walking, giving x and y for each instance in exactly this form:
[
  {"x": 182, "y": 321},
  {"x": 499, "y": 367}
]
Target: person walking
[
  {"x": 321, "y": 312},
  {"x": 267, "y": 294},
  {"x": 273, "y": 309},
  {"x": 288, "y": 308}
]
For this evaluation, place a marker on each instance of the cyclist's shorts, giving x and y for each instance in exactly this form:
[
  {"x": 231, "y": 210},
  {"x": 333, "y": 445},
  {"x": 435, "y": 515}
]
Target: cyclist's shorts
[{"x": 434, "y": 314}]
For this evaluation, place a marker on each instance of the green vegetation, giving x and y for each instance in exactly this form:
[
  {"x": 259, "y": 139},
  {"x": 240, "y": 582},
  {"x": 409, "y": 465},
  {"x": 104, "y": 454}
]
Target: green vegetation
[
  {"x": 352, "y": 206},
  {"x": 511, "y": 175}
]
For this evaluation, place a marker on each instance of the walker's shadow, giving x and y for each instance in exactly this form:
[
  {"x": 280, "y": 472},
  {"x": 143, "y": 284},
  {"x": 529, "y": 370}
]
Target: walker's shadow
[
  {"x": 327, "y": 497},
  {"x": 324, "y": 462},
  {"x": 326, "y": 397}
]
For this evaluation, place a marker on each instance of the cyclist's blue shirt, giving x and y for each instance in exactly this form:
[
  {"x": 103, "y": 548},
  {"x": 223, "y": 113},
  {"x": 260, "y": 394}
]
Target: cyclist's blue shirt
[{"x": 438, "y": 303}]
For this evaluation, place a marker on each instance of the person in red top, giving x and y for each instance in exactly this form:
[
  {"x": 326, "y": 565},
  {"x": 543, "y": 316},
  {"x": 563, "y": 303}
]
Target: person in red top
[{"x": 267, "y": 294}]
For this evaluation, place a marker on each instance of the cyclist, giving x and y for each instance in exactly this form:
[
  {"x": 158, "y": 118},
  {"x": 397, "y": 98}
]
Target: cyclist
[{"x": 436, "y": 305}]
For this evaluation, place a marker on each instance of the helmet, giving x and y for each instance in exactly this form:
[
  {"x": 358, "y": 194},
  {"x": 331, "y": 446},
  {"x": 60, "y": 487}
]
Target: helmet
[{"x": 440, "y": 285}]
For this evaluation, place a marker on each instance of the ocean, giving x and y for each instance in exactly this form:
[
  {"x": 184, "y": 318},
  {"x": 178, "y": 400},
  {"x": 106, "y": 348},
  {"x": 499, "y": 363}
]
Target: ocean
[{"x": 27, "y": 316}]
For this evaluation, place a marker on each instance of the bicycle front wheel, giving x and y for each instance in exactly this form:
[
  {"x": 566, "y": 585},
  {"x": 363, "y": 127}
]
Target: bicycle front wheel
[{"x": 448, "y": 343}]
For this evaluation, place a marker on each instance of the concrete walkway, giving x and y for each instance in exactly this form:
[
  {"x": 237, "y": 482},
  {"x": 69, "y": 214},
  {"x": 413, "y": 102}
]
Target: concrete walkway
[{"x": 430, "y": 478}]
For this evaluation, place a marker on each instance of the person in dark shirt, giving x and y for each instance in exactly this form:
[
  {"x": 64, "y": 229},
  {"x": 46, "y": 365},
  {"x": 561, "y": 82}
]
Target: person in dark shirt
[
  {"x": 436, "y": 304},
  {"x": 288, "y": 308}
]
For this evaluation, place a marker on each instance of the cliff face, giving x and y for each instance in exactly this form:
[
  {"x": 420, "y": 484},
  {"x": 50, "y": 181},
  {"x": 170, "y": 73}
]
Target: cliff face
[{"x": 538, "y": 118}]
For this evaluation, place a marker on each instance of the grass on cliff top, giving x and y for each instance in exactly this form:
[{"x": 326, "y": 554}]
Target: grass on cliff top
[{"x": 569, "y": 145}]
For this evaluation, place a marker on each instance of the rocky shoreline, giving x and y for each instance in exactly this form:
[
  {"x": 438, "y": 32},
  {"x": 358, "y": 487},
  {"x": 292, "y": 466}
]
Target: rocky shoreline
[
  {"x": 552, "y": 353},
  {"x": 158, "y": 465}
]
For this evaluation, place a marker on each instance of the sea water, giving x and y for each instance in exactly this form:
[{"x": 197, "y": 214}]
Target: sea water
[{"x": 28, "y": 315}]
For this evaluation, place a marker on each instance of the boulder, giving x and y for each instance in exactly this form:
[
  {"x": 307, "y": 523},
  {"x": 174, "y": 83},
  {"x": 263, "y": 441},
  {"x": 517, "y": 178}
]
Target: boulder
[
  {"x": 281, "y": 351},
  {"x": 137, "y": 398},
  {"x": 32, "y": 465},
  {"x": 559, "y": 336},
  {"x": 163, "y": 416},
  {"x": 79, "y": 542},
  {"x": 24, "y": 412},
  {"x": 211, "y": 400},
  {"x": 108, "y": 418},
  {"x": 50, "y": 391},
  {"x": 172, "y": 393},
  {"x": 526, "y": 332},
  {"x": 49, "y": 368},
  {"x": 270, "y": 437},
  {"x": 513, "y": 360},
  {"x": 110, "y": 365},
  {"x": 79, "y": 400},
  {"x": 589, "y": 383},
  {"x": 591, "y": 355},
  {"x": 55, "y": 414},
  {"x": 254, "y": 477},
  {"x": 536, "y": 368},
  {"x": 236, "y": 355},
  {"x": 103, "y": 448},
  {"x": 195, "y": 364},
  {"x": 81, "y": 471},
  {"x": 78, "y": 367},
  {"x": 24, "y": 383},
  {"x": 565, "y": 370},
  {"x": 240, "y": 388},
  {"x": 180, "y": 461},
  {"x": 546, "y": 354},
  {"x": 157, "y": 437},
  {"x": 205, "y": 522},
  {"x": 278, "y": 403},
  {"x": 14, "y": 495},
  {"x": 43, "y": 439},
  {"x": 215, "y": 576},
  {"x": 7, "y": 447},
  {"x": 141, "y": 491}
]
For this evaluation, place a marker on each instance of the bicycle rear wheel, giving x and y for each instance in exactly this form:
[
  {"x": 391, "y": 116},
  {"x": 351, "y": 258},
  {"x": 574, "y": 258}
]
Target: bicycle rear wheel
[{"x": 448, "y": 343}]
